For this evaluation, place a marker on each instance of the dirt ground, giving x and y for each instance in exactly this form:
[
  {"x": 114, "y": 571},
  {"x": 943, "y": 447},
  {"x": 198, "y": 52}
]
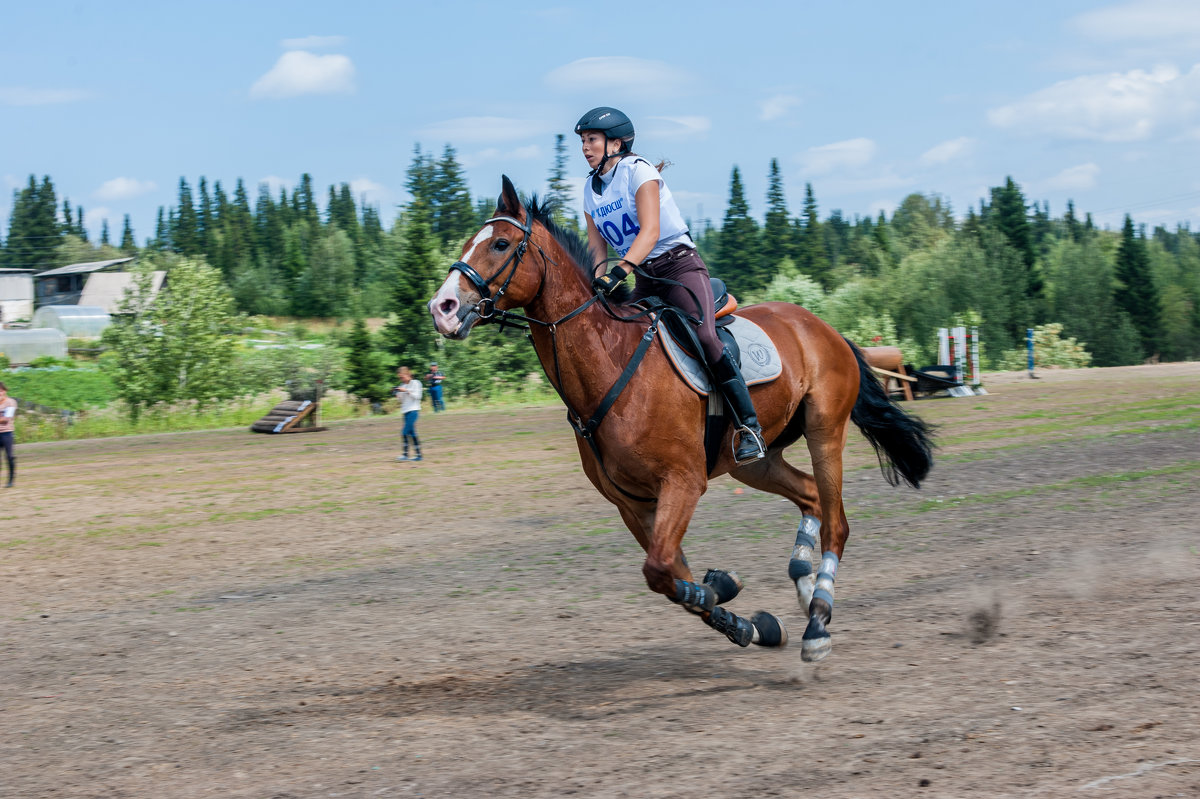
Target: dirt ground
[{"x": 231, "y": 615}]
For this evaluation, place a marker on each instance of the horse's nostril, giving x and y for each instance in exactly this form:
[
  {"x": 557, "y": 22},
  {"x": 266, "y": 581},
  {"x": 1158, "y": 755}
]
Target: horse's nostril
[{"x": 448, "y": 306}]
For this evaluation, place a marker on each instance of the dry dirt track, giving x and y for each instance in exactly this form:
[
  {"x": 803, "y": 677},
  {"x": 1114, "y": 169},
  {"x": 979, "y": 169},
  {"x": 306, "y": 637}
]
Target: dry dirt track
[{"x": 227, "y": 615}]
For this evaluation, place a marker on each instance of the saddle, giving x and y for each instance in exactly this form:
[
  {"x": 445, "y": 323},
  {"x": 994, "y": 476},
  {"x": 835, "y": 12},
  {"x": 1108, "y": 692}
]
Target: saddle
[
  {"x": 750, "y": 345},
  {"x": 752, "y": 349}
]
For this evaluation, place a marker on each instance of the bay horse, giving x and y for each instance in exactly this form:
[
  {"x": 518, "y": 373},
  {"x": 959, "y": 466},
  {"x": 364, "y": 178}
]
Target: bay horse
[{"x": 640, "y": 429}]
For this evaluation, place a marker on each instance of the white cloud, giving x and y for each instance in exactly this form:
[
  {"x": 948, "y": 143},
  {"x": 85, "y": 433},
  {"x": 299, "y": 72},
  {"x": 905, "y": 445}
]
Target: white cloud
[
  {"x": 20, "y": 95},
  {"x": 300, "y": 72},
  {"x": 947, "y": 151},
  {"x": 313, "y": 42},
  {"x": 477, "y": 129},
  {"x": 777, "y": 107},
  {"x": 677, "y": 127},
  {"x": 123, "y": 189},
  {"x": 1113, "y": 107},
  {"x": 620, "y": 76},
  {"x": 1074, "y": 178},
  {"x": 1145, "y": 20},
  {"x": 369, "y": 191},
  {"x": 849, "y": 154}
]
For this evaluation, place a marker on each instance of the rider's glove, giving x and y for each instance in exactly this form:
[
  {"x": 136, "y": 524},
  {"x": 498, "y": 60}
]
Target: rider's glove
[{"x": 606, "y": 284}]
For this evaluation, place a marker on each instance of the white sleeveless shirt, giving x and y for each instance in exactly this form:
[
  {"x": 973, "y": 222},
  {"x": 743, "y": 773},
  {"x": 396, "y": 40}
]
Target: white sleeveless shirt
[{"x": 615, "y": 210}]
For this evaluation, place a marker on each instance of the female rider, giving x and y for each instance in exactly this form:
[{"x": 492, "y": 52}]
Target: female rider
[{"x": 630, "y": 208}]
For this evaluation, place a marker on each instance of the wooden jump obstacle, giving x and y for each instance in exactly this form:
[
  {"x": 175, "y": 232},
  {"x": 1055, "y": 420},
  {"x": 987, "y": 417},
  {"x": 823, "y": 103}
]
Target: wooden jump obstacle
[
  {"x": 292, "y": 416},
  {"x": 888, "y": 364}
]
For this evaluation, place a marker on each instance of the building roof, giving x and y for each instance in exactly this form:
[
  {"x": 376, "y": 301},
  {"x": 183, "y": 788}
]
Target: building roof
[
  {"x": 107, "y": 290},
  {"x": 91, "y": 266}
]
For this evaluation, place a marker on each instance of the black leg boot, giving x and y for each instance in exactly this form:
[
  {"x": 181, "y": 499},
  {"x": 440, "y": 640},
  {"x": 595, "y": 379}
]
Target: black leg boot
[
  {"x": 749, "y": 443},
  {"x": 12, "y": 473}
]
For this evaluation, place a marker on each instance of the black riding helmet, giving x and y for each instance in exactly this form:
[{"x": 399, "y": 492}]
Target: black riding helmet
[
  {"x": 609, "y": 121},
  {"x": 614, "y": 125}
]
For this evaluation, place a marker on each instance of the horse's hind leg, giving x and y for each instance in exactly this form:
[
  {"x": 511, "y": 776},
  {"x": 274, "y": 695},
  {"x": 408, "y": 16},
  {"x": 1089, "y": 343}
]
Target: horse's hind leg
[
  {"x": 776, "y": 476},
  {"x": 816, "y": 502}
]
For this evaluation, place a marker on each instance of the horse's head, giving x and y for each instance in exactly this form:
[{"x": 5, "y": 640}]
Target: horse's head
[{"x": 492, "y": 274}]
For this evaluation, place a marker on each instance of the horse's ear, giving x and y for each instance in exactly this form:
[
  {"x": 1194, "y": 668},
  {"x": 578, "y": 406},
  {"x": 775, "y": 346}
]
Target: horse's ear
[{"x": 509, "y": 201}]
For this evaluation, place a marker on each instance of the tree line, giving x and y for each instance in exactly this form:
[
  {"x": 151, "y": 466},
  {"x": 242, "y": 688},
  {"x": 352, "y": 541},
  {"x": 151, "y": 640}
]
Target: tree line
[{"x": 1006, "y": 266}]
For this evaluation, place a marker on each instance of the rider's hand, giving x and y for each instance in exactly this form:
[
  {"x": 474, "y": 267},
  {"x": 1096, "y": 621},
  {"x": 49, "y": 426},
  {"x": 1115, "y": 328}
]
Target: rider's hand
[{"x": 606, "y": 284}]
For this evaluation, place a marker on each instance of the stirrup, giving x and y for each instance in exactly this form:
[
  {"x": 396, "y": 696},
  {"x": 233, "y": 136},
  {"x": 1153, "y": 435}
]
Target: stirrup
[{"x": 758, "y": 439}]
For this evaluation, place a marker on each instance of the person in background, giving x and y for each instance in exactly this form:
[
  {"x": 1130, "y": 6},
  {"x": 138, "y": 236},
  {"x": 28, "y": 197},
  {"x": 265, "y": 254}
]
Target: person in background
[
  {"x": 409, "y": 394},
  {"x": 434, "y": 378},
  {"x": 8, "y": 412}
]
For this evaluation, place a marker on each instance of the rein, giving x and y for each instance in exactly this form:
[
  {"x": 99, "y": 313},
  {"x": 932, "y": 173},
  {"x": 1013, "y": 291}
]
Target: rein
[{"x": 585, "y": 430}]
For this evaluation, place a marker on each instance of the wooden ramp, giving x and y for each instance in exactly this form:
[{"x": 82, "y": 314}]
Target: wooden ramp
[{"x": 293, "y": 416}]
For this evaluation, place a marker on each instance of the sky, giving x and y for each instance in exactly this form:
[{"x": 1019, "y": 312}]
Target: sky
[{"x": 1098, "y": 102}]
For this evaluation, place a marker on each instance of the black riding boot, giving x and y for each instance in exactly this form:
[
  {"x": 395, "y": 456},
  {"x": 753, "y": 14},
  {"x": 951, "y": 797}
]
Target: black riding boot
[
  {"x": 12, "y": 473},
  {"x": 749, "y": 443}
]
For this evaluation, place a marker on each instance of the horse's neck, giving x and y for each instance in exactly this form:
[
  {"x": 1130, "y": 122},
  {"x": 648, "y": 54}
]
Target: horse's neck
[{"x": 585, "y": 355}]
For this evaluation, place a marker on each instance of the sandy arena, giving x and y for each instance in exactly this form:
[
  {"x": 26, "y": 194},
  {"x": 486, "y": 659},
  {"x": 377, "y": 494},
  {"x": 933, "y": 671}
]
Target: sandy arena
[{"x": 223, "y": 614}]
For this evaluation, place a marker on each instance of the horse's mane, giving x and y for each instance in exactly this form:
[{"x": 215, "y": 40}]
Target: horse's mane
[{"x": 577, "y": 248}]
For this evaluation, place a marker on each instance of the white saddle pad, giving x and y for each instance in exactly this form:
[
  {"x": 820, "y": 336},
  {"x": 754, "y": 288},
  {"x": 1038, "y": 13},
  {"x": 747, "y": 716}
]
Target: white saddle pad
[{"x": 760, "y": 358}]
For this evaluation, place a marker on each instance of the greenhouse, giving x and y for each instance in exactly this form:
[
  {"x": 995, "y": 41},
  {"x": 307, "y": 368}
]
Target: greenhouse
[
  {"x": 76, "y": 321},
  {"x": 22, "y": 346}
]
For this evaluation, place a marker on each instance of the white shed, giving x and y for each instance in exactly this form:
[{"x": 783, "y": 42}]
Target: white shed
[{"x": 16, "y": 295}]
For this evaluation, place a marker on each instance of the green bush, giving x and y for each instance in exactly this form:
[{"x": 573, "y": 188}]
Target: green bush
[
  {"x": 1049, "y": 352},
  {"x": 66, "y": 389}
]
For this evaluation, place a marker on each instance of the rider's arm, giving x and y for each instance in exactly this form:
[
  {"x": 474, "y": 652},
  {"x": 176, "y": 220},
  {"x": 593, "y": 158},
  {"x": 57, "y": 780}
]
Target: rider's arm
[
  {"x": 647, "y": 217},
  {"x": 598, "y": 247}
]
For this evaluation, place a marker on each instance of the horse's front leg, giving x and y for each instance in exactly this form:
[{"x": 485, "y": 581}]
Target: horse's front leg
[{"x": 666, "y": 572}]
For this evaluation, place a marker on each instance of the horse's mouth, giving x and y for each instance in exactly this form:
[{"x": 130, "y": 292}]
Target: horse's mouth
[{"x": 466, "y": 323}]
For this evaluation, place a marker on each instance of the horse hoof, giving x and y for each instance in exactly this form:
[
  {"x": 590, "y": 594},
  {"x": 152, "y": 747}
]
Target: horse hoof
[
  {"x": 727, "y": 585},
  {"x": 770, "y": 630},
  {"x": 814, "y": 649},
  {"x": 817, "y": 641}
]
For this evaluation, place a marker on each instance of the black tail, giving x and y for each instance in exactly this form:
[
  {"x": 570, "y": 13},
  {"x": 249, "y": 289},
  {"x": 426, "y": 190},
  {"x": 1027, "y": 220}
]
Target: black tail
[{"x": 903, "y": 442}]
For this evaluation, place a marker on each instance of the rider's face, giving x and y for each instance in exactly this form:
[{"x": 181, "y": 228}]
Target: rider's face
[{"x": 595, "y": 144}]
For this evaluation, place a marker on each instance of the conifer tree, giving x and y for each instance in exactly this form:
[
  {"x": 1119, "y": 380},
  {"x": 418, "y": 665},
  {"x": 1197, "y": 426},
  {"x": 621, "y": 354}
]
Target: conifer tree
[
  {"x": 184, "y": 235},
  {"x": 104, "y": 242},
  {"x": 408, "y": 335},
  {"x": 453, "y": 214},
  {"x": 558, "y": 192},
  {"x": 737, "y": 257},
  {"x": 811, "y": 256},
  {"x": 1136, "y": 292},
  {"x": 1010, "y": 216},
  {"x": 366, "y": 374},
  {"x": 777, "y": 239},
  {"x": 34, "y": 232},
  {"x": 128, "y": 245},
  {"x": 80, "y": 229}
]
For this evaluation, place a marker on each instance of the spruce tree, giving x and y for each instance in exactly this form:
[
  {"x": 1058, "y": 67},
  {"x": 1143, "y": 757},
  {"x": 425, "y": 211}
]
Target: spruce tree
[
  {"x": 408, "y": 335},
  {"x": 1136, "y": 292},
  {"x": 184, "y": 234},
  {"x": 811, "y": 257},
  {"x": 453, "y": 213},
  {"x": 34, "y": 232},
  {"x": 558, "y": 191},
  {"x": 777, "y": 240},
  {"x": 1009, "y": 215},
  {"x": 104, "y": 242},
  {"x": 128, "y": 245},
  {"x": 737, "y": 258},
  {"x": 366, "y": 375}
]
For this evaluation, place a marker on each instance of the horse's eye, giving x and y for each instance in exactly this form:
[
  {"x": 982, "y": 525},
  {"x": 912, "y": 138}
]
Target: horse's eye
[{"x": 501, "y": 245}]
